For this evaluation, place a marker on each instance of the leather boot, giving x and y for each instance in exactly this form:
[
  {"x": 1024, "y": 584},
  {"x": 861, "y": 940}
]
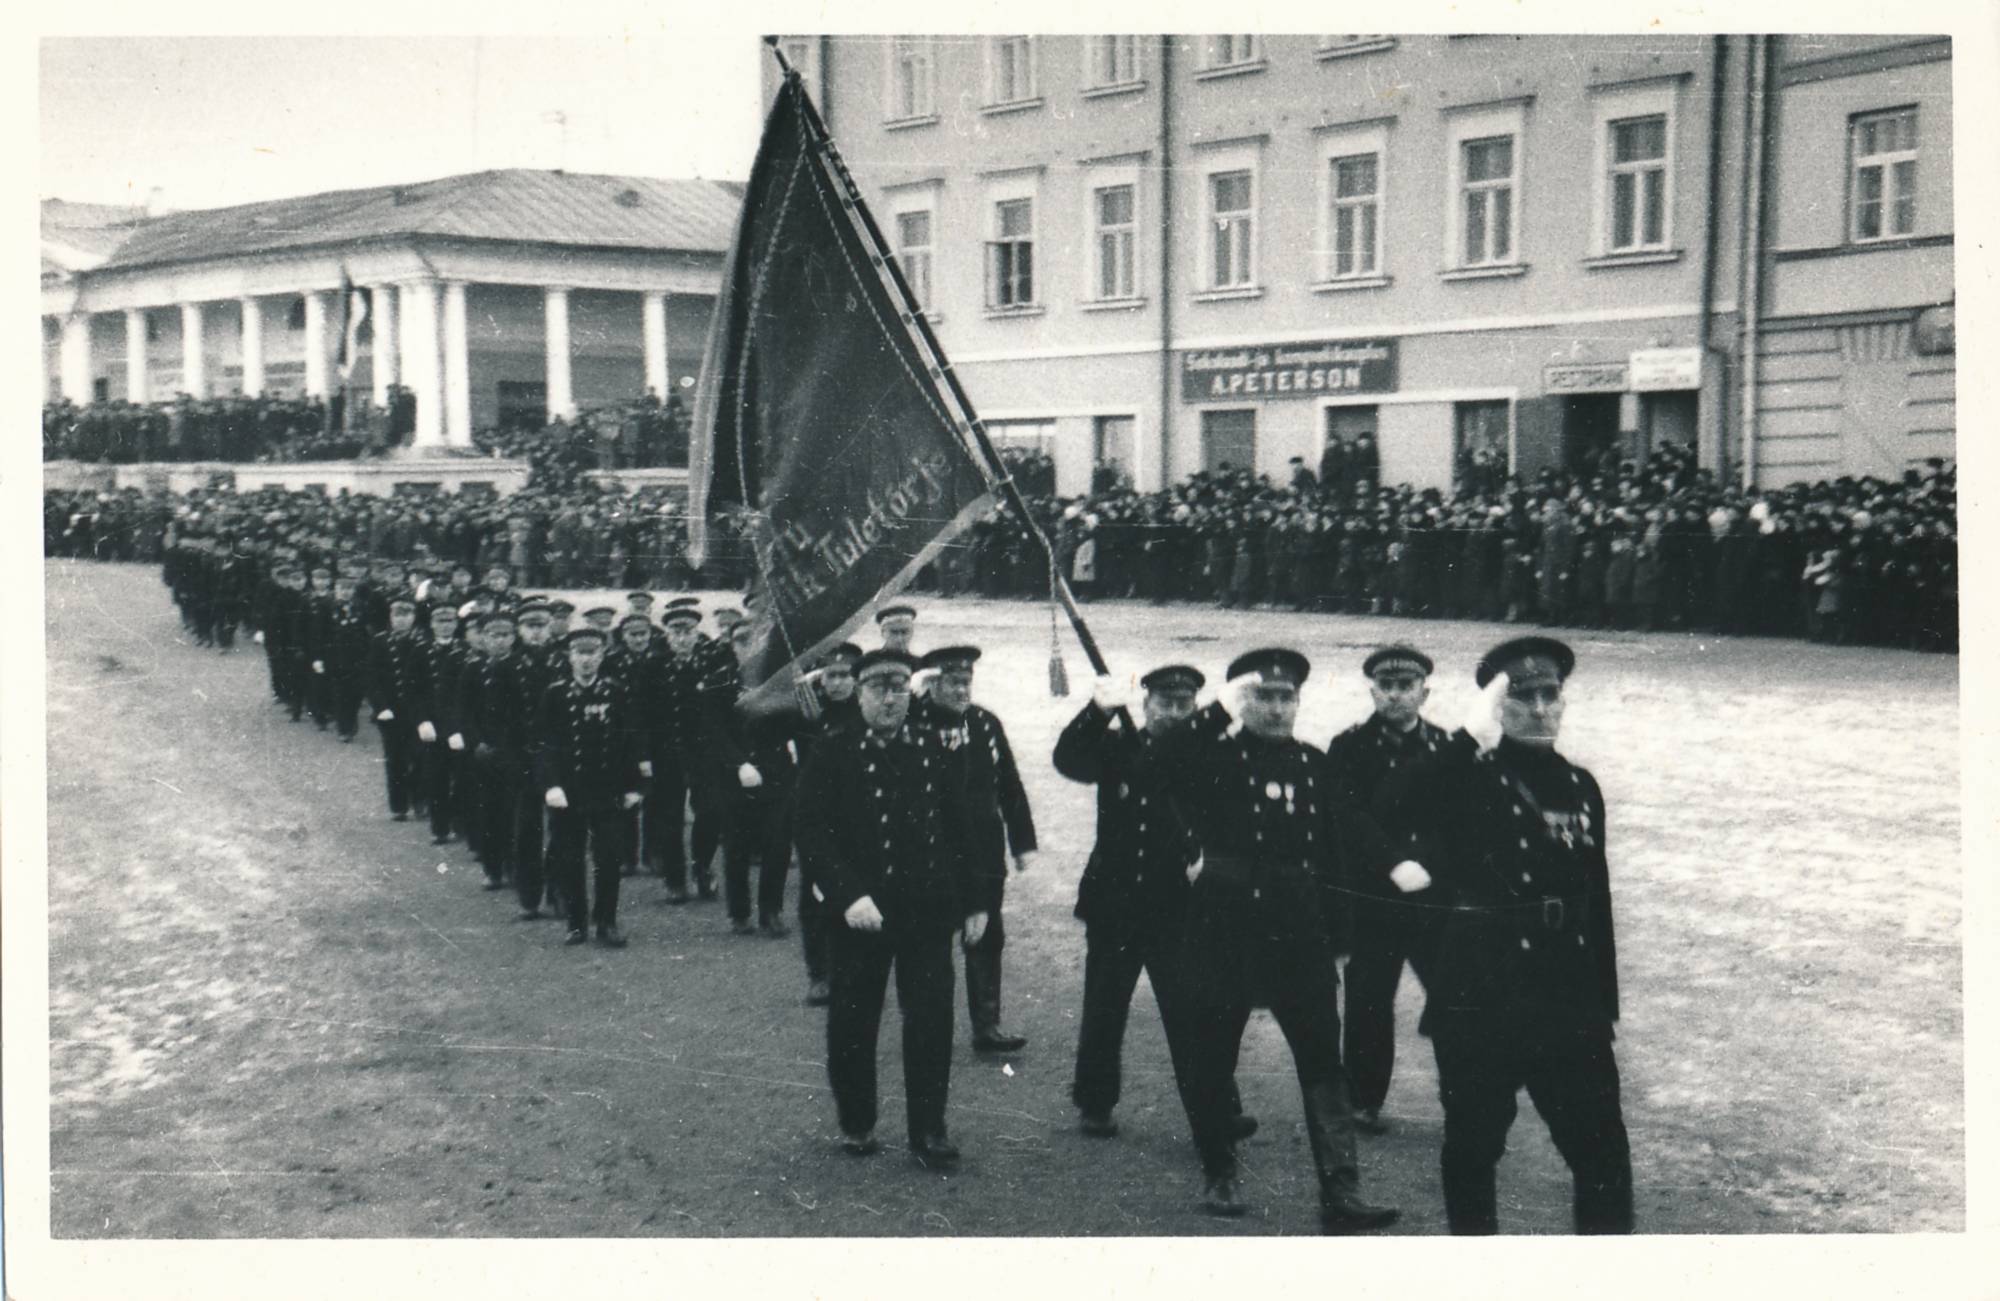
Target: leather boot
[{"x": 1330, "y": 1130}]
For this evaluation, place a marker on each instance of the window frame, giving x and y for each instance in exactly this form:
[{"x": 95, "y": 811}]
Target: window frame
[
  {"x": 1019, "y": 187},
  {"x": 1250, "y": 56},
  {"x": 808, "y": 66},
  {"x": 1468, "y": 127},
  {"x": 902, "y": 201},
  {"x": 1222, "y": 162},
  {"x": 1130, "y": 465},
  {"x": 1129, "y": 44},
  {"x": 1887, "y": 162},
  {"x": 923, "y": 96},
  {"x": 1097, "y": 179},
  {"x": 1031, "y": 63},
  {"x": 1609, "y": 108},
  {"x": 1333, "y": 146}
]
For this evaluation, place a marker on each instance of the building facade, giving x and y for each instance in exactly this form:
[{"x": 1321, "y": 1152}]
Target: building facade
[
  {"x": 495, "y": 297},
  {"x": 1175, "y": 253}
]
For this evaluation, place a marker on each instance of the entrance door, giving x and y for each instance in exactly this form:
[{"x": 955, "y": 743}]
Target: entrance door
[
  {"x": 1590, "y": 431},
  {"x": 1228, "y": 440}
]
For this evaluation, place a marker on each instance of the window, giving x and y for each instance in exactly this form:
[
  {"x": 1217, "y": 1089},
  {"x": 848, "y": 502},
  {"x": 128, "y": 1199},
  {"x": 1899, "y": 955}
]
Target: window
[
  {"x": 1355, "y": 44},
  {"x": 1113, "y": 61},
  {"x": 153, "y": 327},
  {"x": 1228, "y": 440},
  {"x": 802, "y": 52},
  {"x": 1030, "y": 437},
  {"x": 1883, "y": 191},
  {"x": 912, "y": 85},
  {"x": 1638, "y": 184},
  {"x": 913, "y": 252},
  {"x": 1232, "y": 229},
  {"x": 295, "y": 317},
  {"x": 1114, "y": 219},
  {"x": 1487, "y": 211},
  {"x": 1479, "y": 447},
  {"x": 1114, "y": 440},
  {"x": 1010, "y": 69},
  {"x": 1356, "y": 225},
  {"x": 1010, "y": 255},
  {"x": 1228, "y": 51}
]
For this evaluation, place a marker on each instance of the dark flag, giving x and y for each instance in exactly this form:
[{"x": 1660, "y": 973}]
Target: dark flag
[{"x": 820, "y": 419}]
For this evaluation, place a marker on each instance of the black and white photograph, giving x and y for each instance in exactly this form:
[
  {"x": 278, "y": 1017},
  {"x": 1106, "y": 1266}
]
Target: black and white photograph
[{"x": 893, "y": 656}]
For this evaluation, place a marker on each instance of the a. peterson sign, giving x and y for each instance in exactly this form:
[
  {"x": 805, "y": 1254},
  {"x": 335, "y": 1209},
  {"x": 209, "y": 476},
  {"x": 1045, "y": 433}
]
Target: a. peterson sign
[{"x": 1289, "y": 370}]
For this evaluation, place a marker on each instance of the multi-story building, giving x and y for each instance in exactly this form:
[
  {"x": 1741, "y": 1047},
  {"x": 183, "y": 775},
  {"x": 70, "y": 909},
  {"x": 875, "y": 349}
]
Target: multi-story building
[
  {"x": 1171, "y": 253},
  {"x": 493, "y": 297}
]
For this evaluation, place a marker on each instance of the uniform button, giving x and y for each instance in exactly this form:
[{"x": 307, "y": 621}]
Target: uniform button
[
  {"x": 1526, "y": 877},
  {"x": 1142, "y": 826},
  {"x": 1525, "y": 944},
  {"x": 1519, "y": 809},
  {"x": 1579, "y": 941},
  {"x": 1524, "y": 842}
]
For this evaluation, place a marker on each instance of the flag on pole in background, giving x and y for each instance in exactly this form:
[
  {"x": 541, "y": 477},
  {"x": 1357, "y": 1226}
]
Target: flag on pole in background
[
  {"x": 817, "y": 416},
  {"x": 353, "y": 311}
]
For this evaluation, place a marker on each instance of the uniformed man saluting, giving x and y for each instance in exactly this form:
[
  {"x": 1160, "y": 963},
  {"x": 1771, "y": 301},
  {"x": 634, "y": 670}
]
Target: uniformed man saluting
[
  {"x": 1525, "y": 989},
  {"x": 1133, "y": 896},
  {"x": 877, "y": 810},
  {"x": 1368, "y": 765},
  {"x": 1273, "y": 846}
]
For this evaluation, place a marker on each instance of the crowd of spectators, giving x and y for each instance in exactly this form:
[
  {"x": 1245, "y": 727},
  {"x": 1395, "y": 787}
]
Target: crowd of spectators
[
  {"x": 1615, "y": 545},
  {"x": 639, "y": 434}
]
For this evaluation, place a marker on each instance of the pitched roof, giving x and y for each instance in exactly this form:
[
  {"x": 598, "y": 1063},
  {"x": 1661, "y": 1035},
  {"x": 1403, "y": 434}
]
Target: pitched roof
[{"x": 516, "y": 205}]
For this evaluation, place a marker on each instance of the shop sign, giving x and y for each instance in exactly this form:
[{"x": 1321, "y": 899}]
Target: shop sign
[
  {"x": 1658, "y": 370},
  {"x": 1593, "y": 377},
  {"x": 1289, "y": 370}
]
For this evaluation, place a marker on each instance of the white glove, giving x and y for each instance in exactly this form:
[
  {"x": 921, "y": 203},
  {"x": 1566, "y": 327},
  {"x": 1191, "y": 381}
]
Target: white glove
[
  {"x": 386, "y": 716},
  {"x": 1024, "y": 860},
  {"x": 319, "y": 666},
  {"x": 1409, "y": 876},
  {"x": 975, "y": 929},
  {"x": 1107, "y": 693},
  {"x": 863, "y": 915},
  {"x": 456, "y": 741},
  {"x": 257, "y": 637},
  {"x": 645, "y": 767},
  {"x": 1194, "y": 869},
  {"x": 554, "y": 798},
  {"x": 920, "y": 681},
  {"x": 426, "y": 733},
  {"x": 748, "y": 777},
  {"x": 1482, "y": 720},
  {"x": 634, "y": 799}
]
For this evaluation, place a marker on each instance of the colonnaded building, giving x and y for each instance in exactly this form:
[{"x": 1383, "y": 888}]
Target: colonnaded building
[
  {"x": 496, "y": 298},
  {"x": 1171, "y": 253}
]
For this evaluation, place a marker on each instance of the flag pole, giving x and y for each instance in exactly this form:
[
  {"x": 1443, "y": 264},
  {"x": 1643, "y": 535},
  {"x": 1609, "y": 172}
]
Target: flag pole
[{"x": 940, "y": 367}]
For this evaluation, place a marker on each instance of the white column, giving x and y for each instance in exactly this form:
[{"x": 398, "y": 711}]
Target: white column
[
  {"x": 136, "y": 383},
  {"x": 316, "y": 354},
  {"x": 654, "y": 332},
  {"x": 76, "y": 357},
  {"x": 457, "y": 368},
  {"x": 423, "y": 360},
  {"x": 555, "y": 347},
  {"x": 253, "y": 347},
  {"x": 382, "y": 357},
  {"x": 194, "y": 352}
]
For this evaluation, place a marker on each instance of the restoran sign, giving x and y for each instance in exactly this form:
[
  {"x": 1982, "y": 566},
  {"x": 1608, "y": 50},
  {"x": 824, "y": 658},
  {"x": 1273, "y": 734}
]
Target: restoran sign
[{"x": 1289, "y": 370}]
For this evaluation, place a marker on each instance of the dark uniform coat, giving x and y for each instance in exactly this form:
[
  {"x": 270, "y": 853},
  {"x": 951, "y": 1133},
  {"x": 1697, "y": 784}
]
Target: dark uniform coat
[{"x": 1138, "y": 867}]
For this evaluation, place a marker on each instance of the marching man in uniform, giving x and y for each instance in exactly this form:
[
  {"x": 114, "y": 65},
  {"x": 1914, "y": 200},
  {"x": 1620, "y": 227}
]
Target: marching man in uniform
[
  {"x": 1260, "y": 932},
  {"x": 1525, "y": 984},
  {"x": 875, "y": 821},
  {"x": 591, "y": 769},
  {"x": 1367, "y": 766}
]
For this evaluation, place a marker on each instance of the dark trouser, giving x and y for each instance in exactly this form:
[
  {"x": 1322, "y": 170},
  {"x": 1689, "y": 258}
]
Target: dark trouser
[
  {"x": 760, "y": 825},
  {"x": 666, "y": 822},
  {"x": 532, "y": 877},
  {"x": 1571, "y": 1076},
  {"x": 921, "y": 956},
  {"x": 439, "y": 769},
  {"x": 346, "y": 690},
  {"x": 982, "y": 974},
  {"x": 710, "y": 798},
  {"x": 1386, "y": 934},
  {"x": 606, "y": 829},
  {"x": 817, "y": 921},
  {"x": 678, "y": 781},
  {"x": 400, "y": 754},
  {"x": 1311, "y": 1026},
  {"x": 294, "y": 671},
  {"x": 1114, "y": 954},
  {"x": 319, "y": 696},
  {"x": 510, "y": 818}
]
